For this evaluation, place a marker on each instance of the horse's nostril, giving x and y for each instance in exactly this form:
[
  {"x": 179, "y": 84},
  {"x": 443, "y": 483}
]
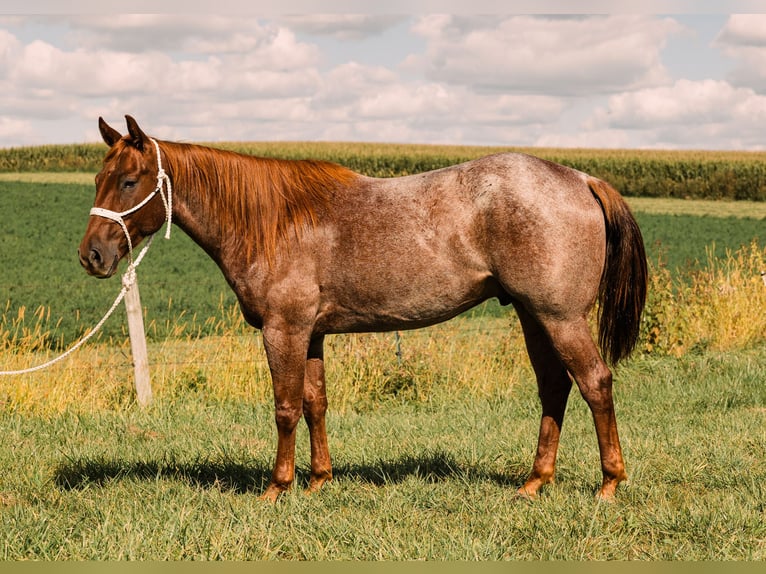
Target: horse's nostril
[{"x": 95, "y": 256}]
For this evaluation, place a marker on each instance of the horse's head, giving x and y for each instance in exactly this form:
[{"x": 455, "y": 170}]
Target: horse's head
[{"x": 127, "y": 207}]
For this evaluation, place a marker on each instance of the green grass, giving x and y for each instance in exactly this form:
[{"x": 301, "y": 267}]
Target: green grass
[
  {"x": 427, "y": 455},
  {"x": 423, "y": 479},
  {"x": 41, "y": 225},
  {"x": 681, "y": 241}
]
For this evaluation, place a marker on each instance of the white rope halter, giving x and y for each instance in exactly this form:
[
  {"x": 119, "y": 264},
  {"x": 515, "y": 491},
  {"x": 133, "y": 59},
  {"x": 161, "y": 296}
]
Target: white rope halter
[
  {"x": 162, "y": 179},
  {"x": 129, "y": 277}
]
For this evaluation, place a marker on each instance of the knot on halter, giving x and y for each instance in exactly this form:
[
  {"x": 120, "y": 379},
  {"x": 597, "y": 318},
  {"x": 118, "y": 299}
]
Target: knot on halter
[
  {"x": 163, "y": 180},
  {"x": 129, "y": 277}
]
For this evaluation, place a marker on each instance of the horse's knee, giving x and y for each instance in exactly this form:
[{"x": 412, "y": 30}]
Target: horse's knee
[{"x": 287, "y": 416}]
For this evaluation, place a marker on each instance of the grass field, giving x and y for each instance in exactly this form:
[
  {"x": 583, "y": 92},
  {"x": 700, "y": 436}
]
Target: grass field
[
  {"x": 427, "y": 452},
  {"x": 415, "y": 479},
  {"x": 41, "y": 224}
]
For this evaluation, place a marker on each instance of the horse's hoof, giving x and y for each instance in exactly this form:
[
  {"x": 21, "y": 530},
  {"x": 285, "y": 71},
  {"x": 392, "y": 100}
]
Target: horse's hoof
[
  {"x": 607, "y": 496},
  {"x": 608, "y": 489},
  {"x": 316, "y": 485},
  {"x": 525, "y": 495},
  {"x": 271, "y": 494}
]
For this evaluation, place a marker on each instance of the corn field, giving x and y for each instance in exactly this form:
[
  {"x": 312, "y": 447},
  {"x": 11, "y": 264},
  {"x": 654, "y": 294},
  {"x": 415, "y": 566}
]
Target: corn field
[{"x": 636, "y": 173}]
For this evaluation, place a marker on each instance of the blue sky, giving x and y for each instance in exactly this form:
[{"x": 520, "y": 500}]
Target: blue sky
[{"x": 659, "y": 80}]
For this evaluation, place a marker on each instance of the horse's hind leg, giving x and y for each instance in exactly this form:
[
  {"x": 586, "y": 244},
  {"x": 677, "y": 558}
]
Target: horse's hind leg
[
  {"x": 574, "y": 345},
  {"x": 314, "y": 409},
  {"x": 553, "y": 384}
]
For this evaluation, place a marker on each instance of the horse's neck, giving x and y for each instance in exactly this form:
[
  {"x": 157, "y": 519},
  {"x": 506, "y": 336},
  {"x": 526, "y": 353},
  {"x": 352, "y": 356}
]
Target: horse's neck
[{"x": 199, "y": 224}]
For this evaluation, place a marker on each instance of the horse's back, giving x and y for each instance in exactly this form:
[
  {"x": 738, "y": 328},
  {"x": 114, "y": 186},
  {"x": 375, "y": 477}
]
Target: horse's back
[
  {"x": 500, "y": 181},
  {"x": 433, "y": 244},
  {"x": 508, "y": 210}
]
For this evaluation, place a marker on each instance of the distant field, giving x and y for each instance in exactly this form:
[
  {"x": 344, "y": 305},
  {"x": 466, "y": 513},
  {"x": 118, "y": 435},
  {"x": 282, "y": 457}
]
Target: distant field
[
  {"x": 656, "y": 205},
  {"x": 637, "y": 173},
  {"x": 41, "y": 224},
  {"x": 74, "y": 177},
  {"x": 699, "y": 207}
]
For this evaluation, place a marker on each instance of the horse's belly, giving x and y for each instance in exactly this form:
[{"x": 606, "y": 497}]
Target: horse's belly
[{"x": 419, "y": 304}]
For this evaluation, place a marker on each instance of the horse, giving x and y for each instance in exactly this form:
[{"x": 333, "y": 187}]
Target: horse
[{"x": 312, "y": 248}]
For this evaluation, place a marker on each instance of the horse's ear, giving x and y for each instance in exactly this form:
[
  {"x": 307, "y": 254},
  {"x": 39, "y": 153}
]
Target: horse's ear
[
  {"x": 137, "y": 137},
  {"x": 111, "y": 136}
]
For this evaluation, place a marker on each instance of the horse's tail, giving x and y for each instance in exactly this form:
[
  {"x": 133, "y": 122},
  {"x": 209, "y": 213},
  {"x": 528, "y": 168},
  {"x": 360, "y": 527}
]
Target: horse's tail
[{"x": 622, "y": 292}]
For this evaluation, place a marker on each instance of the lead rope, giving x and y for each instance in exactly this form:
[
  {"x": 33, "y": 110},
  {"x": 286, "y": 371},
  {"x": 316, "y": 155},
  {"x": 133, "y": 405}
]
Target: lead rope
[{"x": 129, "y": 277}]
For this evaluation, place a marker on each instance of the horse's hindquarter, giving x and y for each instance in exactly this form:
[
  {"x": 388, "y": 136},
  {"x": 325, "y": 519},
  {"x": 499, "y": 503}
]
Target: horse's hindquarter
[
  {"x": 413, "y": 251},
  {"x": 548, "y": 237}
]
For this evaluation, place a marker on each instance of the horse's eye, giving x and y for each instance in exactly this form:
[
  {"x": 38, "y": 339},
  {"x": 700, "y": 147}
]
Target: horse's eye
[{"x": 129, "y": 184}]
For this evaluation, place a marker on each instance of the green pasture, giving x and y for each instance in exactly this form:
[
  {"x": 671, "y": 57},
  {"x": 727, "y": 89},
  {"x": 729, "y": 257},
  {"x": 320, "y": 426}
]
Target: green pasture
[
  {"x": 42, "y": 221},
  {"x": 426, "y": 463},
  {"x": 414, "y": 480}
]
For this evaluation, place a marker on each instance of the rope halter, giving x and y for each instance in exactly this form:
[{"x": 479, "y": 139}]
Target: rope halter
[
  {"x": 162, "y": 180},
  {"x": 129, "y": 277}
]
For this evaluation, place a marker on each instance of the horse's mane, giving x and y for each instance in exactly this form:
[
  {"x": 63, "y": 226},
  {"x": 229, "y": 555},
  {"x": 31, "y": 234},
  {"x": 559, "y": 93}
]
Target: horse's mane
[{"x": 258, "y": 201}]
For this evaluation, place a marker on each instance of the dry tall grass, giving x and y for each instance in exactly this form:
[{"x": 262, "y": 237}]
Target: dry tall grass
[
  {"x": 470, "y": 356},
  {"x": 721, "y": 307}
]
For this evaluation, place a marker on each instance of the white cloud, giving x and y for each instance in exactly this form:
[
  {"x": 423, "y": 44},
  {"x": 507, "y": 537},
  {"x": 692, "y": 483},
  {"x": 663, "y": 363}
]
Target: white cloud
[
  {"x": 264, "y": 72},
  {"x": 175, "y": 33},
  {"x": 744, "y": 30},
  {"x": 709, "y": 113},
  {"x": 9, "y": 46},
  {"x": 706, "y": 101},
  {"x": 12, "y": 129},
  {"x": 526, "y": 54},
  {"x": 342, "y": 26},
  {"x": 743, "y": 39},
  {"x": 516, "y": 80},
  {"x": 373, "y": 95},
  {"x": 41, "y": 65},
  {"x": 118, "y": 69},
  {"x": 343, "y": 86},
  {"x": 606, "y": 138}
]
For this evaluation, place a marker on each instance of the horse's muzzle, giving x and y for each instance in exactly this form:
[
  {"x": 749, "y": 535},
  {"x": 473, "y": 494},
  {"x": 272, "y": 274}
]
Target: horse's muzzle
[{"x": 98, "y": 261}]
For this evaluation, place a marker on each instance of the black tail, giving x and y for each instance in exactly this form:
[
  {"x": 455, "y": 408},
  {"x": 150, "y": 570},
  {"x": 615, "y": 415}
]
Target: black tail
[{"x": 622, "y": 293}]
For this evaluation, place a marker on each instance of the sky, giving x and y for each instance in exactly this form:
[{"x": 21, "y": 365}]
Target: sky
[{"x": 658, "y": 80}]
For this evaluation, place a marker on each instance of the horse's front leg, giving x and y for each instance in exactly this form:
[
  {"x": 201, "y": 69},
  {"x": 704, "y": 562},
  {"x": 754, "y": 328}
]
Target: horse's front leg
[
  {"x": 286, "y": 351},
  {"x": 314, "y": 409}
]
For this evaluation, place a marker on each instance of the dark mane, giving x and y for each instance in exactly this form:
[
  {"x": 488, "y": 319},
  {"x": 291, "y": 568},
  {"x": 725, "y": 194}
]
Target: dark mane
[{"x": 253, "y": 197}]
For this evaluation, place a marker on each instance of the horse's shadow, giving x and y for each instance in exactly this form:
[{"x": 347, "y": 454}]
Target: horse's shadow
[{"x": 253, "y": 476}]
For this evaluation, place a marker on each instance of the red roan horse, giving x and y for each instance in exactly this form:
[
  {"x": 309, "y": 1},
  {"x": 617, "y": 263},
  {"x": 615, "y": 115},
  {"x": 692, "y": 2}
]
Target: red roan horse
[{"x": 311, "y": 248}]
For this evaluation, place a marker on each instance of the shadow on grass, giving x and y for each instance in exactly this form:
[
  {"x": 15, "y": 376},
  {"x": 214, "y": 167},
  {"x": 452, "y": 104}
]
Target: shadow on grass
[
  {"x": 226, "y": 475},
  {"x": 253, "y": 476},
  {"x": 429, "y": 467}
]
